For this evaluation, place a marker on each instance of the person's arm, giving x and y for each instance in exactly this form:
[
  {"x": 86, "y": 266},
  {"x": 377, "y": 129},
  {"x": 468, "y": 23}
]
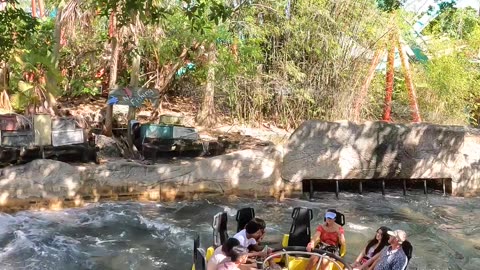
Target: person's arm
[
  {"x": 315, "y": 240},
  {"x": 374, "y": 263},
  {"x": 359, "y": 258},
  {"x": 372, "y": 260},
  {"x": 341, "y": 236},
  {"x": 255, "y": 247}
]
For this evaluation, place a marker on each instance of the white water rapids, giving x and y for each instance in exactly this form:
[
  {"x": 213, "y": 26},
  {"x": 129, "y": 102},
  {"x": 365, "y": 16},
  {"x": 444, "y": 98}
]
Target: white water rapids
[{"x": 443, "y": 230}]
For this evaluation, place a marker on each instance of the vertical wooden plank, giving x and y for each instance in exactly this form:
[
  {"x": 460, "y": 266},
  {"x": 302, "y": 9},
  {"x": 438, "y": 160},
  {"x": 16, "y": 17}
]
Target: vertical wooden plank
[
  {"x": 337, "y": 188},
  {"x": 130, "y": 117},
  {"x": 444, "y": 187},
  {"x": 311, "y": 189}
]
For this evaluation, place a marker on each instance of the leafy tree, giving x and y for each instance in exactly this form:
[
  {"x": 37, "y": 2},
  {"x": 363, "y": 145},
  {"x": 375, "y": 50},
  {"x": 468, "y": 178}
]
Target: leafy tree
[
  {"x": 35, "y": 81},
  {"x": 389, "y": 5},
  {"x": 455, "y": 23},
  {"x": 16, "y": 27}
]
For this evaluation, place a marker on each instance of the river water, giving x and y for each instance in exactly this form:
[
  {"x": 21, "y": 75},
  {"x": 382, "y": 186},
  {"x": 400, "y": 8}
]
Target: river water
[{"x": 131, "y": 235}]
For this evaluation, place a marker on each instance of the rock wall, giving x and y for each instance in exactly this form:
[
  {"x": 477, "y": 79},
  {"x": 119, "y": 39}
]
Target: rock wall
[
  {"x": 344, "y": 150},
  {"x": 49, "y": 183},
  {"x": 316, "y": 150}
]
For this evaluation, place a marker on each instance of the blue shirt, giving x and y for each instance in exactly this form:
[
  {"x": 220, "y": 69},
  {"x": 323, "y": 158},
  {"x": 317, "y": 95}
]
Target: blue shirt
[{"x": 392, "y": 259}]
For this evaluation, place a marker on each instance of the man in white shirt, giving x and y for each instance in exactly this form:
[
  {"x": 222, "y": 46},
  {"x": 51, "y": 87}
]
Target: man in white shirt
[
  {"x": 248, "y": 235},
  {"x": 254, "y": 229}
]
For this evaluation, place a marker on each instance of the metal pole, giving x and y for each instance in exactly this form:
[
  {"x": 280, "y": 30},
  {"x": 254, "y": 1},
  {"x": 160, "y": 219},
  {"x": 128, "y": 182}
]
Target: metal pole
[
  {"x": 311, "y": 190},
  {"x": 337, "y": 188},
  {"x": 383, "y": 187},
  {"x": 404, "y": 187},
  {"x": 424, "y": 186},
  {"x": 360, "y": 187},
  {"x": 444, "y": 187}
]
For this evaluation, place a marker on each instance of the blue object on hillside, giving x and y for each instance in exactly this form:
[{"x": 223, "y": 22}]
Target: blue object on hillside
[
  {"x": 181, "y": 71},
  {"x": 112, "y": 101},
  {"x": 191, "y": 66}
]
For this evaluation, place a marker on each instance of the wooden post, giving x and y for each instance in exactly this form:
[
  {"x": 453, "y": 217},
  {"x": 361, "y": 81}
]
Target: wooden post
[
  {"x": 311, "y": 189},
  {"x": 383, "y": 187},
  {"x": 425, "y": 187},
  {"x": 444, "y": 187},
  {"x": 360, "y": 187},
  {"x": 130, "y": 117},
  {"x": 404, "y": 187},
  {"x": 337, "y": 188}
]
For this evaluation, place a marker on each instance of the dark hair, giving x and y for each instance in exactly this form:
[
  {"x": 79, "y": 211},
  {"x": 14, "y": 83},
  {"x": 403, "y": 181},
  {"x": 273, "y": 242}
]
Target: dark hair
[
  {"x": 374, "y": 241},
  {"x": 229, "y": 245},
  {"x": 237, "y": 252},
  {"x": 260, "y": 222},
  {"x": 252, "y": 227}
]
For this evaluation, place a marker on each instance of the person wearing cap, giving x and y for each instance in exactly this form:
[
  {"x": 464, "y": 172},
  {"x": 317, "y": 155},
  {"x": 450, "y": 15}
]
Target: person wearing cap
[
  {"x": 329, "y": 236},
  {"x": 392, "y": 257}
]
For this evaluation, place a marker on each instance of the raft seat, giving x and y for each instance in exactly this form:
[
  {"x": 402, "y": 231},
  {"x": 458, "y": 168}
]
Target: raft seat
[
  {"x": 199, "y": 258},
  {"x": 244, "y": 215}
]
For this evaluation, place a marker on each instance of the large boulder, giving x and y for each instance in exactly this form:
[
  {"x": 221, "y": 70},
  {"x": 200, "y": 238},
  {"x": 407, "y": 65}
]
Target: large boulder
[
  {"x": 108, "y": 147},
  {"x": 41, "y": 178},
  {"x": 344, "y": 150}
]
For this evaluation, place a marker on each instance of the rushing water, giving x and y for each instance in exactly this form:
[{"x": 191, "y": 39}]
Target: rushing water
[{"x": 443, "y": 230}]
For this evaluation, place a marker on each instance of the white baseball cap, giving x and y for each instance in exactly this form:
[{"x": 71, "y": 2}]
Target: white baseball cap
[{"x": 399, "y": 234}]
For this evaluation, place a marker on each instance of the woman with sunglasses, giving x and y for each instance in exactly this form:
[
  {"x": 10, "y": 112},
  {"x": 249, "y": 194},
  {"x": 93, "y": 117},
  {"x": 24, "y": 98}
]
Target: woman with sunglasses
[{"x": 329, "y": 236}]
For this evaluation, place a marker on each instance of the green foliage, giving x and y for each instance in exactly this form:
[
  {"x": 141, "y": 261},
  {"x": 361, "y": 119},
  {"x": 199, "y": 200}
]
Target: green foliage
[
  {"x": 149, "y": 12},
  {"x": 276, "y": 60},
  {"x": 34, "y": 92},
  {"x": 34, "y": 60},
  {"x": 16, "y": 27},
  {"x": 308, "y": 68},
  {"x": 456, "y": 23},
  {"x": 202, "y": 12},
  {"x": 389, "y": 5}
]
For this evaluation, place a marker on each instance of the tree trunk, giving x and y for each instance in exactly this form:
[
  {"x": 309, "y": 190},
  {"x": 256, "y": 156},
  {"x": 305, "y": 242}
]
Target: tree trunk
[
  {"x": 134, "y": 81},
  {"x": 107, "y": 131},
  {"x": 412, "y": 95},
  {"x": 34, "y": 9},
  {"x": 387, "y": 110},
  {"x": 206, "y": 116},
  {"x": 41, "y": 8},
  {"x": 364, "y": 90},
  {"x": 57, "y": 35},
  {"x": 4, "y": 76},
  {"x": 4, "y": 82},
  {"x": 165, "y": 76}
]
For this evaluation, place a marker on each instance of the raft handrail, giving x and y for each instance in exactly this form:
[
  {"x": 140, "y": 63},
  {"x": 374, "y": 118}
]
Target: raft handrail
[{"x": 322, "y": 254}]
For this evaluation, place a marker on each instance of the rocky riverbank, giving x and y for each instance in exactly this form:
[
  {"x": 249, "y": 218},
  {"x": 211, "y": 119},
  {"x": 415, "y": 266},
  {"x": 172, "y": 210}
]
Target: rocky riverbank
[{"x": 315, "y": 151}]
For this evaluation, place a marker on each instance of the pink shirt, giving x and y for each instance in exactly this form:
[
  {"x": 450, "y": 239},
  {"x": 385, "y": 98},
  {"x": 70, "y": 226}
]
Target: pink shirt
[{"x": 227, "y": 266}]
